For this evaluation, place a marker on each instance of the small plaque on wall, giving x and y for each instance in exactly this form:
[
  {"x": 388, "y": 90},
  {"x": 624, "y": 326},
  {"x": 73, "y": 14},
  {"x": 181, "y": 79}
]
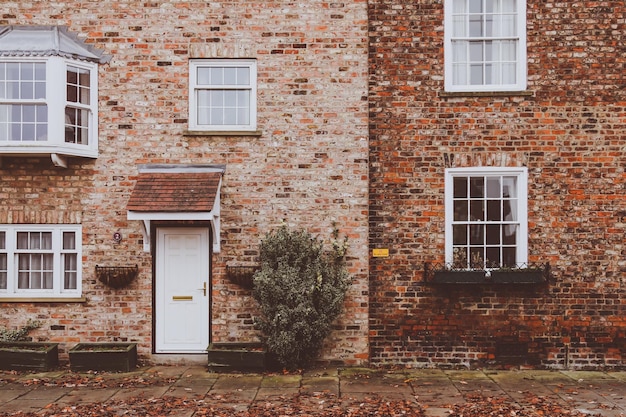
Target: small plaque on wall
[{"x": 380, "y": 253}]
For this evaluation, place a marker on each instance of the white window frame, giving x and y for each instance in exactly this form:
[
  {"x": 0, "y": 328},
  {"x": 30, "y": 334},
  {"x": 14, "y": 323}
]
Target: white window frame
[
  {"x": 57, "y": 291},
  {"x": 195, "y": 88},
  {"x": 56, "y": 102},
  {"x": 521, "y": 223},
  {"x": 449, "y": 38}
]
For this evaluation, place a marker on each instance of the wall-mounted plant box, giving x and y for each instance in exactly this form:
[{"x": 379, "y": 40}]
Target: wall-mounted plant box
[
  {"x": 32, "y": 356},
  {"x": 459, "y": 277},
  {"x": 517, "y": 276},
  {"x": 116, "y": 276},
  {"x": 242, "y": 275},
  {"x": 237, "y": 356},
  {"x": 121, "y": 357}
]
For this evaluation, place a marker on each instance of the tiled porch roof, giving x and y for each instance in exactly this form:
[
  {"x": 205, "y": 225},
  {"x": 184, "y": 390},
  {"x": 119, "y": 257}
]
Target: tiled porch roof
[{"x": 175, "y": 192}]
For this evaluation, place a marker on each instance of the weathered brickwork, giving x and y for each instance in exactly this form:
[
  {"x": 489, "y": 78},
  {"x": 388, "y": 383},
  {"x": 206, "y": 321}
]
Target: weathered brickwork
[
  {"x": 309, "y": 166},
  {"x": 569, "y": 131}
]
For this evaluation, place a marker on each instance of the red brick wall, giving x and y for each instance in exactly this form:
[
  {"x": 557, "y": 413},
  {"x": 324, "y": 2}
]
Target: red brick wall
[
  {"x": 308, "y": 167},
  {"x": 569, "y": 132}
]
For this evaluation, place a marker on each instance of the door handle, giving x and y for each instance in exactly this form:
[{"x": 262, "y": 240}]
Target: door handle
[{"x": 203, "y": 289}]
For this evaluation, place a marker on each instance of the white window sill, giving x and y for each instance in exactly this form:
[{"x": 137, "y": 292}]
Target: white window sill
[
  {"x": 222, "y": 133},
  {"x": 524, "y": 93},
  {"x": 43, "y": 300}
]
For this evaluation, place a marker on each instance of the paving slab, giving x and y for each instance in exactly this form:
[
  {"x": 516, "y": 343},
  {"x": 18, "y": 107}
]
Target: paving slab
[
  {"x": 311, "y": 385},
  {"x": 87, "y": 396},
  {"x": 142, "y": 392}
]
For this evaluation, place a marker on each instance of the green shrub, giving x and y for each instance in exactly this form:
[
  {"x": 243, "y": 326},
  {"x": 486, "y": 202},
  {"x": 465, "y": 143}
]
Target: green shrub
[
  {"x": 19, "y": 335},
  {"x": 300, "y": 288}
]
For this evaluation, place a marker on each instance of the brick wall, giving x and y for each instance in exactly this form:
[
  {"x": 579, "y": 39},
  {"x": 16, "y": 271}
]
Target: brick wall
[
  {"x": 569, "y": 132},
  {"x": 308, "y": 168}
]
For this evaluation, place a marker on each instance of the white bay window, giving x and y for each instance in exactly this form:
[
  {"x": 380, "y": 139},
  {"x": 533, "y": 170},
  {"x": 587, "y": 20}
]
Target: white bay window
[{"x": 48, "y": 93}]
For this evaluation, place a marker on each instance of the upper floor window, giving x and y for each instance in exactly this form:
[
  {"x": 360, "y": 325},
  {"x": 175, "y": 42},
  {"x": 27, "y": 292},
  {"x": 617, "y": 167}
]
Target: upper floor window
[
  {"x": 48, "y": 92},
  {"x": 485, "y": 45},
  {"x": 40, "y": 261},
  {"x": 222, "y": 95},
  {"x": 486, "y": 217}
]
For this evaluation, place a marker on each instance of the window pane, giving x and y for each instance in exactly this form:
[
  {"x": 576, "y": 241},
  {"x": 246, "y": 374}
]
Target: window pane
[
  {"x": 493, "y": 187},
  {"x": 459, "y": 26},
  {"x": 460, "y": 210},
  {"x": 217, "y": 117},
  {"x": 458, "y": 6},
  {"x": 217, "y": 76},
  {"x": 46, "y": 240},
  {"x": 493, "y": 210},
  {"x": 460, "y": 187},
  {"x": 459, "y": 232},
  {"x": 22, "y": 240},
  {"x": 3, "y": 240},
  {"x": 459, "y": 52},
  {"x": 493, "y": 257},
  {"x": 3, "y": 271},
  {"x": 78, "y": 85},
  {"x": 476, "y": 234},
  {"x": 476, "y": 26},
  {"x": 230, "y": 116},
  {"x": 203, "y": 75},
  {"x": 509, "y": 6},
  {"x": 508, "y": 257},
  {"x": 243, "y": 76},
  {"x": 69, "y": 240},
  {"x": 230, "y": 98},
  {"x": 70, "y": 268},
  {"x": 493, "y": 234},
  {"x": 476, "y": 258},
  {"x": 509, "y": 237},
  {"x": 230, "y": 76},
  {"x": 477, "y": 210}
]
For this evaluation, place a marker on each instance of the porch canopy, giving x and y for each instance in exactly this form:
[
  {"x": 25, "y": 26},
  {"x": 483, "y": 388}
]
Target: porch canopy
[{"x": 177, "y": 193}]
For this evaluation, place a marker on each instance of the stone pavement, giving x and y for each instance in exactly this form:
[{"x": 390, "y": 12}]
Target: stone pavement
[{"x": 598, "y": 393}]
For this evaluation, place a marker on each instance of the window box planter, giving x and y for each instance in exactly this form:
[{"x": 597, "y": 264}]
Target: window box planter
[
  {"x": 459, "y": 277},
  {"x": 517, "y": 276},
  {"x": 32, "y": 356},
  {"x": 237, "y": 356},
  {"x": 121, "y": 357}
]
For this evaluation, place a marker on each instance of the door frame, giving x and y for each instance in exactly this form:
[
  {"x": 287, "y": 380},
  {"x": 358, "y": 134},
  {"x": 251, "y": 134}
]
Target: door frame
[{"x": 153, "y": 245}]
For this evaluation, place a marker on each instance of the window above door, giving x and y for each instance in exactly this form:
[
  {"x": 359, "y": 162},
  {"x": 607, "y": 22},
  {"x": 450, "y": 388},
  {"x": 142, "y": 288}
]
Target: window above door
[
  {"x": 48, "y": 93},
  {"x": 222, "y": 95}
]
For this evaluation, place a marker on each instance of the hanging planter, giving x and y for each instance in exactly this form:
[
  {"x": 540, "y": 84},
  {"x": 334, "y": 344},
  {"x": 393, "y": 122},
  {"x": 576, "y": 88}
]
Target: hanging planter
[
  {"x": 116, "y": 276},
  {"x": 241, "y": 275}
]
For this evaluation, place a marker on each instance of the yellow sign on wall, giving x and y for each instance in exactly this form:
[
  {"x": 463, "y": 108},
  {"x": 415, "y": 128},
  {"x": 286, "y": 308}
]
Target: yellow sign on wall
[{"x": 380, "y": 253}]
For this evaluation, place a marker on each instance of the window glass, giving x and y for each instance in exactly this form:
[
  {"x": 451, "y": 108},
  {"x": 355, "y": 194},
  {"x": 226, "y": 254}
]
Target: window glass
[
  {"x": 223, "y": 94},
  {"x": 46, "y": 261},
  {"x": 485, "y": 224},
  {"x": 485, "y": 44}
]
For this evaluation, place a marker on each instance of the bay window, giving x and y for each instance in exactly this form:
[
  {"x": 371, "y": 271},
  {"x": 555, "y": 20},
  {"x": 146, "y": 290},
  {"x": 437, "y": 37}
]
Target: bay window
[{"x": 48, "y": 93}]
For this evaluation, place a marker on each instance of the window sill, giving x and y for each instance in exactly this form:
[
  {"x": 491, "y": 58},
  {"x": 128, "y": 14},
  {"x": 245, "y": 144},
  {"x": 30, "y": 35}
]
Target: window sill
[
  {"x": 222, "y": 133},
  {"x": 448, "y": 94},
  {"x": 43, "y": 300}
]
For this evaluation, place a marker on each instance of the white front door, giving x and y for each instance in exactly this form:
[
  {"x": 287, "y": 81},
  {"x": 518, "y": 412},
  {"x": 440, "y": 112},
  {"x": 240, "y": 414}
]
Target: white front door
[{"x": 182, "y": 290}]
